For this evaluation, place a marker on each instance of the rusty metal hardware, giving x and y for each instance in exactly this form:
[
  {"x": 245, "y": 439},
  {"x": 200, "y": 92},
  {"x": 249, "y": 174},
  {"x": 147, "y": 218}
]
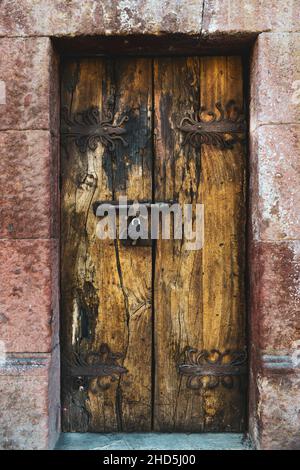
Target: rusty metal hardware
[
  {"x": 222, "y": 129},
  {"x": 95, "y": 366},
  {"x": 209, "y": 369},
  {"x": 88, "y": 129},
  {"x": 135, "y": 220}
]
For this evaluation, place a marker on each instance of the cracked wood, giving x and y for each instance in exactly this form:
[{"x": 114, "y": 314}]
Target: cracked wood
[
  {"x": 198, "y": 295},
  {"x": 106, "y": 288}
]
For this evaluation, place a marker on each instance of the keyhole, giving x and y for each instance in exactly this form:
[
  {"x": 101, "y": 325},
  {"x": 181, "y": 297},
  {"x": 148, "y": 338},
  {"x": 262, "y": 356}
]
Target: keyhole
[{"x": 136, "y": 223}]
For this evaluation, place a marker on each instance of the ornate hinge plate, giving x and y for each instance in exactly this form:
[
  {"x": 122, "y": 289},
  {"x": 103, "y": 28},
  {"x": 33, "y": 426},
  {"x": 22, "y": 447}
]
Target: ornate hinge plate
[
  {"x": 88, "y": 129},
  {"x": 209, "y": 369},
  {"x": 99, "y": 366},
  {"x": 221, "y": 129}
]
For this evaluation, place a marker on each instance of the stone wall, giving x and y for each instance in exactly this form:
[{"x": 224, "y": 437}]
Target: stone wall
[
  {"x": 29, "y": 229},
  {"x": 274, "y": 258}
]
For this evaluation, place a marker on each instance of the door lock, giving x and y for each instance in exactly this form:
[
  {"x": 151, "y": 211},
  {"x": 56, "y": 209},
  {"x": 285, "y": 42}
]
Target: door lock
[{"x": 138, "y": 226}]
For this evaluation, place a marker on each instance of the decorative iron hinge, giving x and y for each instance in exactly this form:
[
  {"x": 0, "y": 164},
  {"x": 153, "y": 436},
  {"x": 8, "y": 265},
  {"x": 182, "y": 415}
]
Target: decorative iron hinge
[
  {"x": 87, "y": 129},
  {"x": 209, "y": 369},
  {"x": 222, "y": 129},
  {"x": 99, "y": 366}
]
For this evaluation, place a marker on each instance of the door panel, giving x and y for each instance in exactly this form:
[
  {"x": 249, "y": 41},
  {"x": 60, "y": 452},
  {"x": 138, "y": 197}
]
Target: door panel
[
  {"x": 105, "y": 288},
  {"x": 152, "y": 336},
  {"x": 198, "y": 294}
]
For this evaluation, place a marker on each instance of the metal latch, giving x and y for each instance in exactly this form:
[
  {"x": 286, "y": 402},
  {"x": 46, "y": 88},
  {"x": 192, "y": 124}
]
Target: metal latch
[{"x": 138, "y": 219}]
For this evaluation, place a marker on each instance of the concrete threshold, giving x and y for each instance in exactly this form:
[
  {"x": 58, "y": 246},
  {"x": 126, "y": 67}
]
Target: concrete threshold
[{"x": 152, "y": 441}]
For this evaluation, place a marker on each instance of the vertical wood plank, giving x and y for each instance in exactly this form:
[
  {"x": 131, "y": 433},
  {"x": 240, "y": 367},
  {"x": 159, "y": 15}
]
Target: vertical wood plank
[
  {"x": 223, "y": 195},
  {"x": 178, "y": 293},
  {"x": 106, "y": 289}
]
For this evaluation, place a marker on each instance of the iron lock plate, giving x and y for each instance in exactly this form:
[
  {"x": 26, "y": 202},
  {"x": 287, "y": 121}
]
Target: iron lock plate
[{"x": 134, "y": 220}]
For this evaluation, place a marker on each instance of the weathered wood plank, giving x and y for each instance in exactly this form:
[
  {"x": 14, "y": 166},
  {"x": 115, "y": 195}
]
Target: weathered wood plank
[
  {"x": 223, "y": 191},
  {"x": 178, "y": 272},
  {"x": 199, "y": 296},
  {"x": 106, "y": 288}
]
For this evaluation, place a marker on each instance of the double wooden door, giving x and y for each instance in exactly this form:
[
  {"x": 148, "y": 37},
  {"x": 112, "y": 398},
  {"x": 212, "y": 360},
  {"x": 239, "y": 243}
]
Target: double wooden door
[{"x": 153, "y": 337}]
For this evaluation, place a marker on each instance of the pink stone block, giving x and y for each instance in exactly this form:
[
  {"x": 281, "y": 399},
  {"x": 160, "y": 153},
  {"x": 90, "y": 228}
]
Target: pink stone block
[
  {"x": 27, "y": 70},
  {"x": 28, "y": 295},
  {"x": 29, "y": 416},
  {"x": 62, "y": 18},
  {"x": 58, "y": 17},
  {"x": 275, "y": 79},
  {"x": 275, "y": 296},
  {"x": 275, "y": 182},
  {"x": 279, "y": 412},
  {"x": 28, "y": 178},
  {"x": 240, "y": 16}
]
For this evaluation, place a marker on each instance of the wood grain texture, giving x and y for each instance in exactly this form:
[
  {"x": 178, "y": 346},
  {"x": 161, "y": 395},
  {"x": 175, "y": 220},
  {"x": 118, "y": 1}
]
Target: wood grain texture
[
  {"x": 223, "y": 196},
  {"x": 105, "y": 288},
  {"x": 178, "y": 272},
  {"x": 199, "y": 295},
  {"x": 149, "y": 304}
]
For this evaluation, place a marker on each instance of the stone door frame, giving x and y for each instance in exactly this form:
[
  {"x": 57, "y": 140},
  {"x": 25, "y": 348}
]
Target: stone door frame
[{"x": 29, "y": 239}]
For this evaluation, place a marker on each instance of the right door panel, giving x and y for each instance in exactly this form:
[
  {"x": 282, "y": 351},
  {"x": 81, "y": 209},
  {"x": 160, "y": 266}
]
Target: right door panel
[{"x": 199, "y": 311}]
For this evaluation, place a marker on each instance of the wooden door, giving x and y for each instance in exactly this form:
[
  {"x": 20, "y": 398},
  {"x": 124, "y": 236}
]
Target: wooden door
[{"x": 153, "y": 337}]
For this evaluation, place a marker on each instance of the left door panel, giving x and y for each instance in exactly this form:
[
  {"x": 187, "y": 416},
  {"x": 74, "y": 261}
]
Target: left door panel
[{"x": 106, "y": 292}]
